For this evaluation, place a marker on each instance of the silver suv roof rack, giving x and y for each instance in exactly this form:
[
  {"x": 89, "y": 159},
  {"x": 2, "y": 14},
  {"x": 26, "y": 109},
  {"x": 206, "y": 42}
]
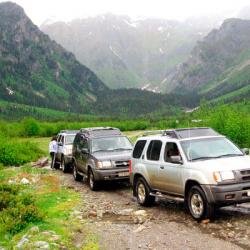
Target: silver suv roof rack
[
  {"x": 184, "y": 133},
  {"x": 68, "y": 131},
  {"x": 153, "y": 132}
]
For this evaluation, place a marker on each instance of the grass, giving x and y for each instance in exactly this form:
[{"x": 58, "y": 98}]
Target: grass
[
  {"x": 41, "y": 142},
  {"x": 54, "y": 201}
]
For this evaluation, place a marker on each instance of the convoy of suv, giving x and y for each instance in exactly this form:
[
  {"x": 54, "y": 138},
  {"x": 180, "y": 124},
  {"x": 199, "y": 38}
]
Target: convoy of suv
[{"x": 197, "y": 165}]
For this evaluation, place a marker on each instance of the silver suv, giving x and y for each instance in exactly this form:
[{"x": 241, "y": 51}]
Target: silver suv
[
  {"x": 63, "y": 157},
  {"x": 196, "y": 165}
]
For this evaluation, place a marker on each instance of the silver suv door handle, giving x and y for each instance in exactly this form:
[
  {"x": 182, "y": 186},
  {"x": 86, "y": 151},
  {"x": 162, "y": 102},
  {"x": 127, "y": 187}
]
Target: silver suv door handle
[{"x": 161, "y": 167}]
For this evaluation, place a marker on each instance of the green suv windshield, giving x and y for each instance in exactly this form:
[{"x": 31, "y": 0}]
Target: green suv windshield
[
  {"x": 111, "y": 144},
  {"x": 209, "y": 148}
]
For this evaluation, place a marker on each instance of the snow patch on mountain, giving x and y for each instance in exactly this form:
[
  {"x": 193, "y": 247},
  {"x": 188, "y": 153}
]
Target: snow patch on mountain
[{"x": 114, "y": 52}]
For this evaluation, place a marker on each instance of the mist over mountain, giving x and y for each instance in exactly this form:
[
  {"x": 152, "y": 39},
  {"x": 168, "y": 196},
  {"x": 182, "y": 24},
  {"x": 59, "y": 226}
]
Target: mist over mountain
[
  {"x": 244, "y": 13},
  {"x": 219, "y": 65},
  {"x": 128, "y": 53}
]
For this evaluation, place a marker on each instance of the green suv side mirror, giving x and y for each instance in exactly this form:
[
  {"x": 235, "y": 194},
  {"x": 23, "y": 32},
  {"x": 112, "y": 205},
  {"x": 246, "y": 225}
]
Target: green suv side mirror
[{"x": 85, "y": 151}]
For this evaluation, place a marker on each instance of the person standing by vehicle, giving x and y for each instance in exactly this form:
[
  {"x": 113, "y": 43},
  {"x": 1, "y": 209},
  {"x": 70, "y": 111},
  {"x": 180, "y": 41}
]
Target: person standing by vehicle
[{"x": 53, "y": 150}]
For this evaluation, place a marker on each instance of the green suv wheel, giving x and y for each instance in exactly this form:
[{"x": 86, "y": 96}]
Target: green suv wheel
[
  {"x": 143, "y": 193},
  {"x": 93, "y": 184},
  {"x": 76, "y": 176}
]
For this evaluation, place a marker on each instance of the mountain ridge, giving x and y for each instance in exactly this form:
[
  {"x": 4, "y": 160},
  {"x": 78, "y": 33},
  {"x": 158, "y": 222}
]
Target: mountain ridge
[{"x": 217, "y": 65}]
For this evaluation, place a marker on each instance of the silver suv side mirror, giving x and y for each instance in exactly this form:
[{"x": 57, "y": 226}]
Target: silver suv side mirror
[
  {"x": 176, "y": 159},
  {"x": 245, "y": 151}
]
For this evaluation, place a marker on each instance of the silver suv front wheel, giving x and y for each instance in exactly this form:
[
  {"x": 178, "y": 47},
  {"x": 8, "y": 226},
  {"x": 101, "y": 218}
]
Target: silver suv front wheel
[
  {"x": 198, "y": 205},
  {"x": 142, "y": 191}
]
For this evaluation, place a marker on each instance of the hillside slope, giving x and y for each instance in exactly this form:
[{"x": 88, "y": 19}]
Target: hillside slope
[
  {"x": 218, "y": 67},
  {"x": 37, "y": 71}
]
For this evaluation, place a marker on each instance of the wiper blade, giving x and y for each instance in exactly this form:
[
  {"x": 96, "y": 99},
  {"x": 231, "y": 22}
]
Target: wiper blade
[
  {"x": 203, "y": 158},
  {"x": 225, "y": 155},
  {"x": 101, "y": 150},
  {"x": 116, "y": 149}
]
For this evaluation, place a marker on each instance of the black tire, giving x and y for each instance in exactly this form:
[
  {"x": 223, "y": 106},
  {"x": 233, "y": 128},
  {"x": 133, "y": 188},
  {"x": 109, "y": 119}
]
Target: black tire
[
  {"x": 76, "y": 175},
  {"x": 93, "y": 184},
  {"x": 198, "y": 205},
  {"x": 56, "y": 165},
  {"x": 142, "y": 192},
  {"x": 64, "y": 166}
]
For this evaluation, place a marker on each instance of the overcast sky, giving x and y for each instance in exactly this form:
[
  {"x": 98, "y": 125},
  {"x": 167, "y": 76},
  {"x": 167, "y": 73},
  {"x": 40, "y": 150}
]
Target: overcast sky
[{"x": 66, "y": 10}]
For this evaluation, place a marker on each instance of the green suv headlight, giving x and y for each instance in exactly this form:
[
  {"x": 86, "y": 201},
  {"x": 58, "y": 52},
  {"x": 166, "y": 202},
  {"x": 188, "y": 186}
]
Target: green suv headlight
[{"x": 104, "y": 164}]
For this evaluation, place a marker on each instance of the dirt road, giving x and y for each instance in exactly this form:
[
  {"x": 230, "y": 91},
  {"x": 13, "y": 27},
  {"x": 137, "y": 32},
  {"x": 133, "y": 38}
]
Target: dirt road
[{"x": 121, "y": 224}]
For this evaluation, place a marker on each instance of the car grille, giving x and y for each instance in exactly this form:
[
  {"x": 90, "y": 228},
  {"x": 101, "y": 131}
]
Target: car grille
[
  {"x": 121, "y": 164},
  {"x": 245, "y": 175}
]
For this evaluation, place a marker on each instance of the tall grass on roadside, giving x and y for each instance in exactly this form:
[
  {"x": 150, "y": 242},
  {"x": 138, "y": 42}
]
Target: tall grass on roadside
[{"x": 16, "y": 153}]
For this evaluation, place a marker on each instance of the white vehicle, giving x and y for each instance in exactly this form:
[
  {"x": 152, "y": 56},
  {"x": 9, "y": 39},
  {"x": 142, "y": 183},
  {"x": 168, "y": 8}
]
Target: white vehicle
[
  {"x": 63, "y": 157},
  {"x": 197, "y": 165}
]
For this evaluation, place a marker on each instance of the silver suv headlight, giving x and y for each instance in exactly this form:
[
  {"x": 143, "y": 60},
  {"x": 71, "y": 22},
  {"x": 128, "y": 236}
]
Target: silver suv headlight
[
  {"x": 223, "y": 176},
  {"x": 104, "y": 164}
]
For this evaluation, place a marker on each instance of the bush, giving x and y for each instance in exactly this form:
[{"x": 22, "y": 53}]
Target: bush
[
  {"x": 14, "y": 153},
  {"x": 17, "y": 209},
  {"x": 233, "y": 124},
  {"x": 30, "y": 127}
]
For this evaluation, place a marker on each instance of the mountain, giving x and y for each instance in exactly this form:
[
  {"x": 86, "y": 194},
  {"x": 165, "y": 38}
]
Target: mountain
[
  {"x": 37, "y": 71},
  {"x": 126, "y": 53},
  {"x": 219, "y": 66}
]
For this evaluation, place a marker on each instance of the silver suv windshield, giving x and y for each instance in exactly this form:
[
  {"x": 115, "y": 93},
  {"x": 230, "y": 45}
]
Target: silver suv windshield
[
  {"x": 111, "y": 144},
  {"x": 209, "y": 148},
  {"x": 69, "y": 139}
]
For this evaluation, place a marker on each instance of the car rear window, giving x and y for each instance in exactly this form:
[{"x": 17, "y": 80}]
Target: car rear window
[
  {"x": 154, "y": 150},
  {"x": 139, "y": 146}
]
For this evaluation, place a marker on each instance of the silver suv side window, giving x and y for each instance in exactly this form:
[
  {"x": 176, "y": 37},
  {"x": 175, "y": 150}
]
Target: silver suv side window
[
  {"x": 139, "y": 146},
  {"x": 154, "y": 150},
  {"x": 171, "y": 149},
  {"x": 62, "y": 139}
]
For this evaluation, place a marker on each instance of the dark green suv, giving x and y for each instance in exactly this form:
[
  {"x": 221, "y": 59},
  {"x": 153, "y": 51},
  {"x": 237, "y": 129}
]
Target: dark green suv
[{"x": 101, "y": 154}]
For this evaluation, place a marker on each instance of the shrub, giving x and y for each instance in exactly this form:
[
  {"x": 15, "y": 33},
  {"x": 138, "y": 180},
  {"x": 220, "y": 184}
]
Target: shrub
[
  {"x": 17, "y": 209},
  {"x": 30, "y": 127}
]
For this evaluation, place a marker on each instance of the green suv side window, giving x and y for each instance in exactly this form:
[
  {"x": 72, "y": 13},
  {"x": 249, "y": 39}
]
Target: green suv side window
[{"x": 83, "y": 144}]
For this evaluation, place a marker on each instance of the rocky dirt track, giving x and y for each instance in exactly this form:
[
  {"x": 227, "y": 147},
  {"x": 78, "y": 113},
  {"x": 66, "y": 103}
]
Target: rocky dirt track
[{"x": 120, "y": 223}]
